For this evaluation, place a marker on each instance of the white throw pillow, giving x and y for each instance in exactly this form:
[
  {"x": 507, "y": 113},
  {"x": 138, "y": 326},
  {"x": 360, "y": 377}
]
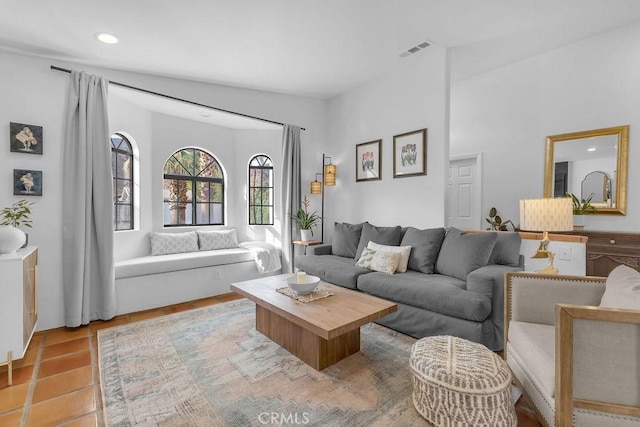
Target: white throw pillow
[
  {"x": 218, "y": 239},
  {"x": 382, "y": 261},
  {"x": 404, "y": 252},
  {"x": 622, "y": 289},
  {"x": 173, "y": 243}
]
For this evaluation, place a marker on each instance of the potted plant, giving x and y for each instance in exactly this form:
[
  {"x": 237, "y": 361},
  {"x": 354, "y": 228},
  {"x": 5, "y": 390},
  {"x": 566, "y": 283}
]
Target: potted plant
[
  {"x": 11, "y": 218},
  {"x": 496, "y": 222},
  {"x": 305, "y": 221},
  {"x": 581, "y": 208}
]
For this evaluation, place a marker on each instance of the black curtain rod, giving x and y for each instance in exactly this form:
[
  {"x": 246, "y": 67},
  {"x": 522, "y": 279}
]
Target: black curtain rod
[{"x": 53, "y": 67}]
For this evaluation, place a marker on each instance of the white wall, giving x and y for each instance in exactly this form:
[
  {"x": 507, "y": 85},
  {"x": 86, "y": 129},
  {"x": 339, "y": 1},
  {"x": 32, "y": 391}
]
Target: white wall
[
  {"x": 411, "y": 97},
  {"x": 507, "y": 112},
  {"x": 34, "y": 94}
]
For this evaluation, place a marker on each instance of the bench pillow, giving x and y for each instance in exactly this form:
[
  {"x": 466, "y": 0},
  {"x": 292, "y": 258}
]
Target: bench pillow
[
  {"x": 345, "y": 239},
  {"x": 173, "y": 243},
  {"x": 404, "y": 252},
  {"x": 425, "y": 245},
  {"x": 389, "y": 236},
  {"x": 461, "y": 252},
  {"x": 217, "y": 239}
]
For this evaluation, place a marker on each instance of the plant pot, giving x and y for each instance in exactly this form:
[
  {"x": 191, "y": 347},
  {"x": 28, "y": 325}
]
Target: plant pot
[
  {"x": 11, "y": 239},
  {"x": 306, "y": 235},
  {"x": 579, "y": 221}
]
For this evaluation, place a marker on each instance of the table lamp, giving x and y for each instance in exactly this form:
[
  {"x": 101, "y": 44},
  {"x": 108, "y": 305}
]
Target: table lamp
[{"x": 551, "y": 214}]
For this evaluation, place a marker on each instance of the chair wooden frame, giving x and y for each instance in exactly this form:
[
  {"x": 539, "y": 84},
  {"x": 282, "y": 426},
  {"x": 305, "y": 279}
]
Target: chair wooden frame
[{"x": 565, "y": 315}]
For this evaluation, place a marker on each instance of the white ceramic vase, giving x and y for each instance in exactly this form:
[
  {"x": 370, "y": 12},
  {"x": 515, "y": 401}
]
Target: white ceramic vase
[
  {"x": 11, "y": 239},
  {"x": 305, "y": 235}
]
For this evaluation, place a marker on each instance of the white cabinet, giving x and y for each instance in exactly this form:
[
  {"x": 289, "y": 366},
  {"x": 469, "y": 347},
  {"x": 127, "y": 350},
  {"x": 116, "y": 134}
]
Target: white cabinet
[{"x": 18, "y": 303}]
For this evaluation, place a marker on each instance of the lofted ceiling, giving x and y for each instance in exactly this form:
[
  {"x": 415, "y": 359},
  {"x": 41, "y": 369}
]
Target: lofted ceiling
[{"x": 316, "y": 48}]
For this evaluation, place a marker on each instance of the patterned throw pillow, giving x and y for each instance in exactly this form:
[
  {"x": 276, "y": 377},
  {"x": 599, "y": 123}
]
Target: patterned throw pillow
[
  {"x": 219, "y": 239},
  {"x": 382, "y": 261},
  {"x": 173, "y": 243},
  {"x": 404, "y": 252}
]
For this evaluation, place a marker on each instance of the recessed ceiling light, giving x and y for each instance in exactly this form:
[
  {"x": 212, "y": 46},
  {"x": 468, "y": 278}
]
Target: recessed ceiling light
[
  {"x": 107, "y": 38},
  {"x": 591, "y": 149},
  {"x": 205, "y": 114}
]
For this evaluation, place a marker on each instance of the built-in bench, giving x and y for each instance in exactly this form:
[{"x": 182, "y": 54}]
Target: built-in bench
[{"x": 158, "y": 280}]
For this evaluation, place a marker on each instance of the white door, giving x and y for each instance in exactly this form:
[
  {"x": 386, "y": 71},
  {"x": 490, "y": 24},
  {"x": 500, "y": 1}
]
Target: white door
[{"x": 463, "y": 195}]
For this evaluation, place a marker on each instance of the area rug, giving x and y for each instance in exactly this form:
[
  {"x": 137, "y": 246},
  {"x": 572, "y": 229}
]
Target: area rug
[{"x": 209, "y": 367}]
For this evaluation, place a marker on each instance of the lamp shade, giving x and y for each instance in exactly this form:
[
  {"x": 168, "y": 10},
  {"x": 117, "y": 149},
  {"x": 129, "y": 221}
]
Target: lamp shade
[
  {"x": 330, "y": 175},
  {"x": 551, "y": 214},
  {"x": 316, "y": 187}
]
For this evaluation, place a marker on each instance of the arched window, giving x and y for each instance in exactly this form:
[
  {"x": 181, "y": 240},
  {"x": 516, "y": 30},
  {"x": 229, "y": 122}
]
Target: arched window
[
  {"x": 122, "y": 170},
  {"x": 193, "y": 189},
  {"x": 260, "y": 191}
]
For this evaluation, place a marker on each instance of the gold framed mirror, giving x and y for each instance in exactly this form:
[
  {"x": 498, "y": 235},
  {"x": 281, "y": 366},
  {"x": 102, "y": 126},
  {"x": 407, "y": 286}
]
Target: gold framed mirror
[{"x": 595, "y": 161}]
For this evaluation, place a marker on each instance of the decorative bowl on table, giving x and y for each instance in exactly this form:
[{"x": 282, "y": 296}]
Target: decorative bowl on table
[{"x": 306, "y": 286}]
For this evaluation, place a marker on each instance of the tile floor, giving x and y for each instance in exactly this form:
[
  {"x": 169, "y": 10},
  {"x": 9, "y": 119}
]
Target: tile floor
[{"x": 57, "y": 382}]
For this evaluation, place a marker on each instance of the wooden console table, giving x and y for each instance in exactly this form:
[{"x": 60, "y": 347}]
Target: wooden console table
[{"x": 608, "y": 249}]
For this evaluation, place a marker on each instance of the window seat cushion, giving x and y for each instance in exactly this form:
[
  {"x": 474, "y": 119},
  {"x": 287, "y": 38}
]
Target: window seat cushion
[{"x": 156, "y": 264}]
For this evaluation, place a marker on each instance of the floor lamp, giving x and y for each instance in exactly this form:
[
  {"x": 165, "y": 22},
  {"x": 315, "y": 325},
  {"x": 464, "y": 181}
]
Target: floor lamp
[{"x": 317, "y": 187}]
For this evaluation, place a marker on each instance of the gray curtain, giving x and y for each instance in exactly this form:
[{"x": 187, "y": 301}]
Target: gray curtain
[
  {"x": 87, "y": 206},
  {"x": 291, "y": 189}
]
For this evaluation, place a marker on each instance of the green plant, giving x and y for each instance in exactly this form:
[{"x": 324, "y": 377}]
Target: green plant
[
  {"x": 304, "y": 219},
  {"x": 496, "y": 222},
  {"x": 17, "y": 214},
  {"x": 581, "y": 207}
]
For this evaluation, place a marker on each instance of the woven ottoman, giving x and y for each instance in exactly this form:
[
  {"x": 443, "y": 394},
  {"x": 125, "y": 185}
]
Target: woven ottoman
[{"x": 461, "y": 383}]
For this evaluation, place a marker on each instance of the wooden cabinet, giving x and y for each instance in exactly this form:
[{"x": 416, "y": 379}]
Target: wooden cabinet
[
  {"x": 18, "y": 304},
  {"x": 608, "y": 249}
]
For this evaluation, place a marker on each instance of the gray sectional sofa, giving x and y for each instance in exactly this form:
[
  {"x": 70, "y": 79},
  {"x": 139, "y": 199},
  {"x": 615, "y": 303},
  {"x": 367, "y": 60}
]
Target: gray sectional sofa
[{"x": 453, "y": 285}]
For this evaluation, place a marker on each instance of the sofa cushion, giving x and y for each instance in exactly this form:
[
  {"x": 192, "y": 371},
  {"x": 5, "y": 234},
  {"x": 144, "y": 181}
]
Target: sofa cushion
[
  {"x": 173, "y": 243},
  {"x": 433, "y": 292},
  {"x": 404, "y": 252},
  {"x": 217, "y": 239},
  {"x": 425, "y": 245},
  {"x": 331, "y": 268},
  {"x": 382, "y": 261},
  {"x": 534, "y": 344},
  {"x": 622, "y": 289},
  {"x": 346, "y": 238},
  {"x": 389, "y": 236},
  {"x": 507, "y": 249},
  {"x": 461, "y": 253}
]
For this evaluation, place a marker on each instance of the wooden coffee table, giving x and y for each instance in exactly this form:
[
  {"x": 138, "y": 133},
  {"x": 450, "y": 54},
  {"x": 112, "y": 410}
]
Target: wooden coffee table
[{"x": 320, "y": 332}]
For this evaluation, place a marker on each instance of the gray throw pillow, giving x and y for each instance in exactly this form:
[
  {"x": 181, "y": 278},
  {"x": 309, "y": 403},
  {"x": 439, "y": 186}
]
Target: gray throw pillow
[
  {"x": 173, "y": 243},
  {"x": 345, "y": 239},
  {"x": 507, "y": 249},
  {"x": 461, "y": 253},
  {"x": 425, "y": 245},
  {"x": 389, "y": 236}
]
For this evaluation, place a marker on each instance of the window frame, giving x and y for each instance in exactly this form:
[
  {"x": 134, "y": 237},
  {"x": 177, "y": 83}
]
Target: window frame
[
  {"x": 195, "y": 178},
  {"x": 261, "y": 167},
  {"x": 116, "y": 202}
]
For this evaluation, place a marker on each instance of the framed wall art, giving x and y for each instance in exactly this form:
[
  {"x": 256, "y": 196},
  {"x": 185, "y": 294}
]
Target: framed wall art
[
  {"x": 410, "y": 154},
  {"x": 27, "y": 182},
  {"x": 25, "y": 138},
  {"x": 368, "y": 160}
]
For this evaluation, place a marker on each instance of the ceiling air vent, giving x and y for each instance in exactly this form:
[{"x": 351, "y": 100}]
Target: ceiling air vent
[{"x": 414, "y": 49}]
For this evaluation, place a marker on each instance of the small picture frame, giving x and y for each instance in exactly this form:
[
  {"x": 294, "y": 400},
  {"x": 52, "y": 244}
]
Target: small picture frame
[
  {"x": 27, "y": 182},
  {"x": 410, "y": 154},
  {"x": 25, "y": 138},
  {"x": 368, "y": 161}
]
